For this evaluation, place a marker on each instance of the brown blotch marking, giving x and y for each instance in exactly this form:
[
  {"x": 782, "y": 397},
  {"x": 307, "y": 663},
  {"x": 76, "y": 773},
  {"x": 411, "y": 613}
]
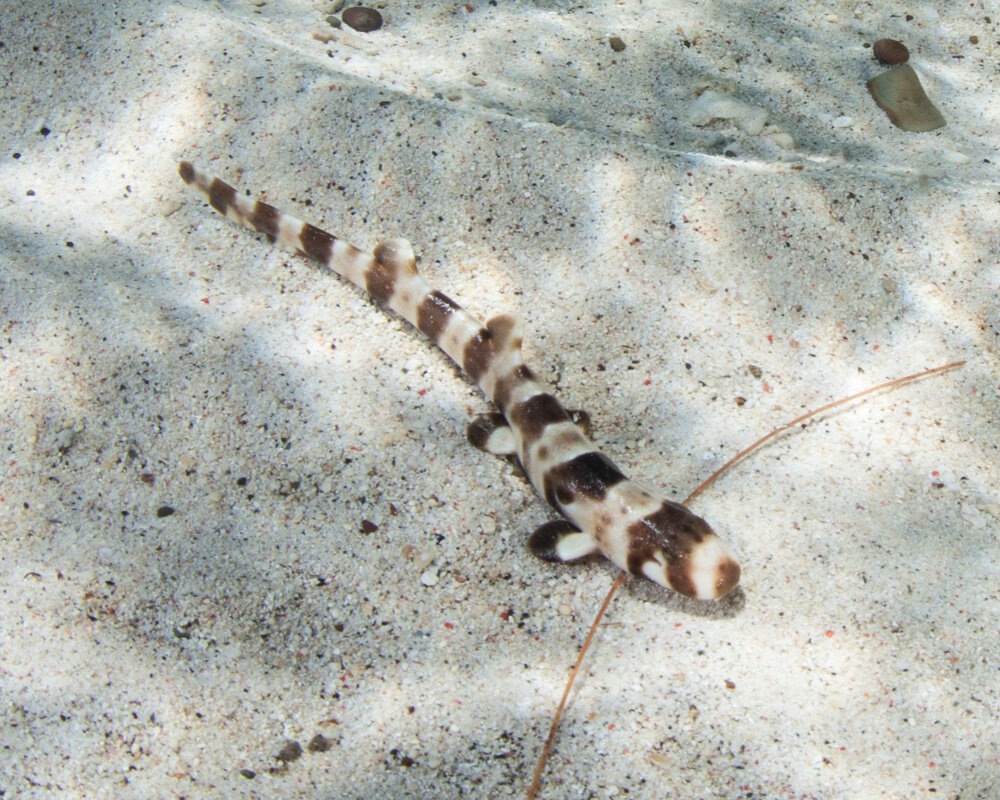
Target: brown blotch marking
[
  {"x": 553, "y": 442},
  {"x": 589, "y": 475},
  {"x": 316, "y": 243},
  {"x": 186, "y": 170},
  {"x": 535, "y": 414},
  {"x": 265, "y": 219},
  {"x": 727, "y": 576},
  {"x": 380, "y": 280},
  {"x": 478, "y": 354},
  {"x": 679, "y": 578},
  {"x": 221, "y": 196},
  {"x": 506, "y": 385},
  {"x": 433, "y": 313},
  {"x": 601, "y": 526}
]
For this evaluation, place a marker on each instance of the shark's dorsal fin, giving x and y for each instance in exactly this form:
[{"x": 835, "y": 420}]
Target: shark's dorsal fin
[{"x": 506, "y": 331}]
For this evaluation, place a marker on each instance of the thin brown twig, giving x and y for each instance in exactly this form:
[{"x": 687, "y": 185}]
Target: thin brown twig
[
  {"x": 619, "y": 581},
  {"x": 816, "y": 412},
  {"x": 623, "y": 576}
]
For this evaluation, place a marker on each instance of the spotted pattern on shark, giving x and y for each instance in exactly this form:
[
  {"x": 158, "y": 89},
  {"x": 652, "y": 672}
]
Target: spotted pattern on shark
[{"x": 601, "y": 510}]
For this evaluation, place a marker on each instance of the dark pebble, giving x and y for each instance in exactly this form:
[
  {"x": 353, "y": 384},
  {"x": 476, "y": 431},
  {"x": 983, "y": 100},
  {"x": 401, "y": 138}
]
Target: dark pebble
[
  {"x": 290, "y": 751},
  {"x": 616, "y": 43},
  {"x": 164, "y": 511},
  {"x": 318, "y": 744},
  {"x": 249, "y": 774},
  {"x": 890, "y": 52},
  {"x": 401, "y": 759},
  {"x": 362, "y": 19}
]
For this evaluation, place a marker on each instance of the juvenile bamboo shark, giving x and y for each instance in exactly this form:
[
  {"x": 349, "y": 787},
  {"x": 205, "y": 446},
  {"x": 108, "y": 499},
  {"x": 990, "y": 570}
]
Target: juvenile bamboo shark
[{"x": 602, "y": 511}]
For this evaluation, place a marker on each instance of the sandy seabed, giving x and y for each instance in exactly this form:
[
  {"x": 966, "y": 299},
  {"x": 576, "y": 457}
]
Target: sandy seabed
[{"x": 238, "y": 510}]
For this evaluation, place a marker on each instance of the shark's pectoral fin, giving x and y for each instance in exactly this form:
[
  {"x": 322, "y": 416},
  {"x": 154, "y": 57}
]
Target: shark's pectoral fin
[
  {"x": 492, "y": 434},
  {"x": 560, "y": 540}
]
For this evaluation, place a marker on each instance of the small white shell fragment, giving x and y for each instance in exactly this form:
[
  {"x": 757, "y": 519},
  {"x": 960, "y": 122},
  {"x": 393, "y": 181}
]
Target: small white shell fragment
[
  {"x": 842, "y": 121},
  {"x": 429, "y": 577},
  {"x": 715, "y": 105},
  {"x": 783, "y": 140},
  {"x": 955, "y": 157},
  {"x": 65, "y": 437}
]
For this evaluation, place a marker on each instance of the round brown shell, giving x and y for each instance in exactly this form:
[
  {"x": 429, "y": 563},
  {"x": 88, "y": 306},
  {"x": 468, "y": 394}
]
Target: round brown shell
[
  {"x": 362, "y": 19},
  {"x": 890, "y": 52}
]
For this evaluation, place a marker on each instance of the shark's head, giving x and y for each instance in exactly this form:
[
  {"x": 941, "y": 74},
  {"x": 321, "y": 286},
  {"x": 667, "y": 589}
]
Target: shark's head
[{"x": 678, "y": 549}]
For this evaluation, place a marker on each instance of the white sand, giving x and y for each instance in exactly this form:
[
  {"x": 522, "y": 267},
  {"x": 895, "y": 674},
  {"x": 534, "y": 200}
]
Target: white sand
[{"x": 154, "y": 354}]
